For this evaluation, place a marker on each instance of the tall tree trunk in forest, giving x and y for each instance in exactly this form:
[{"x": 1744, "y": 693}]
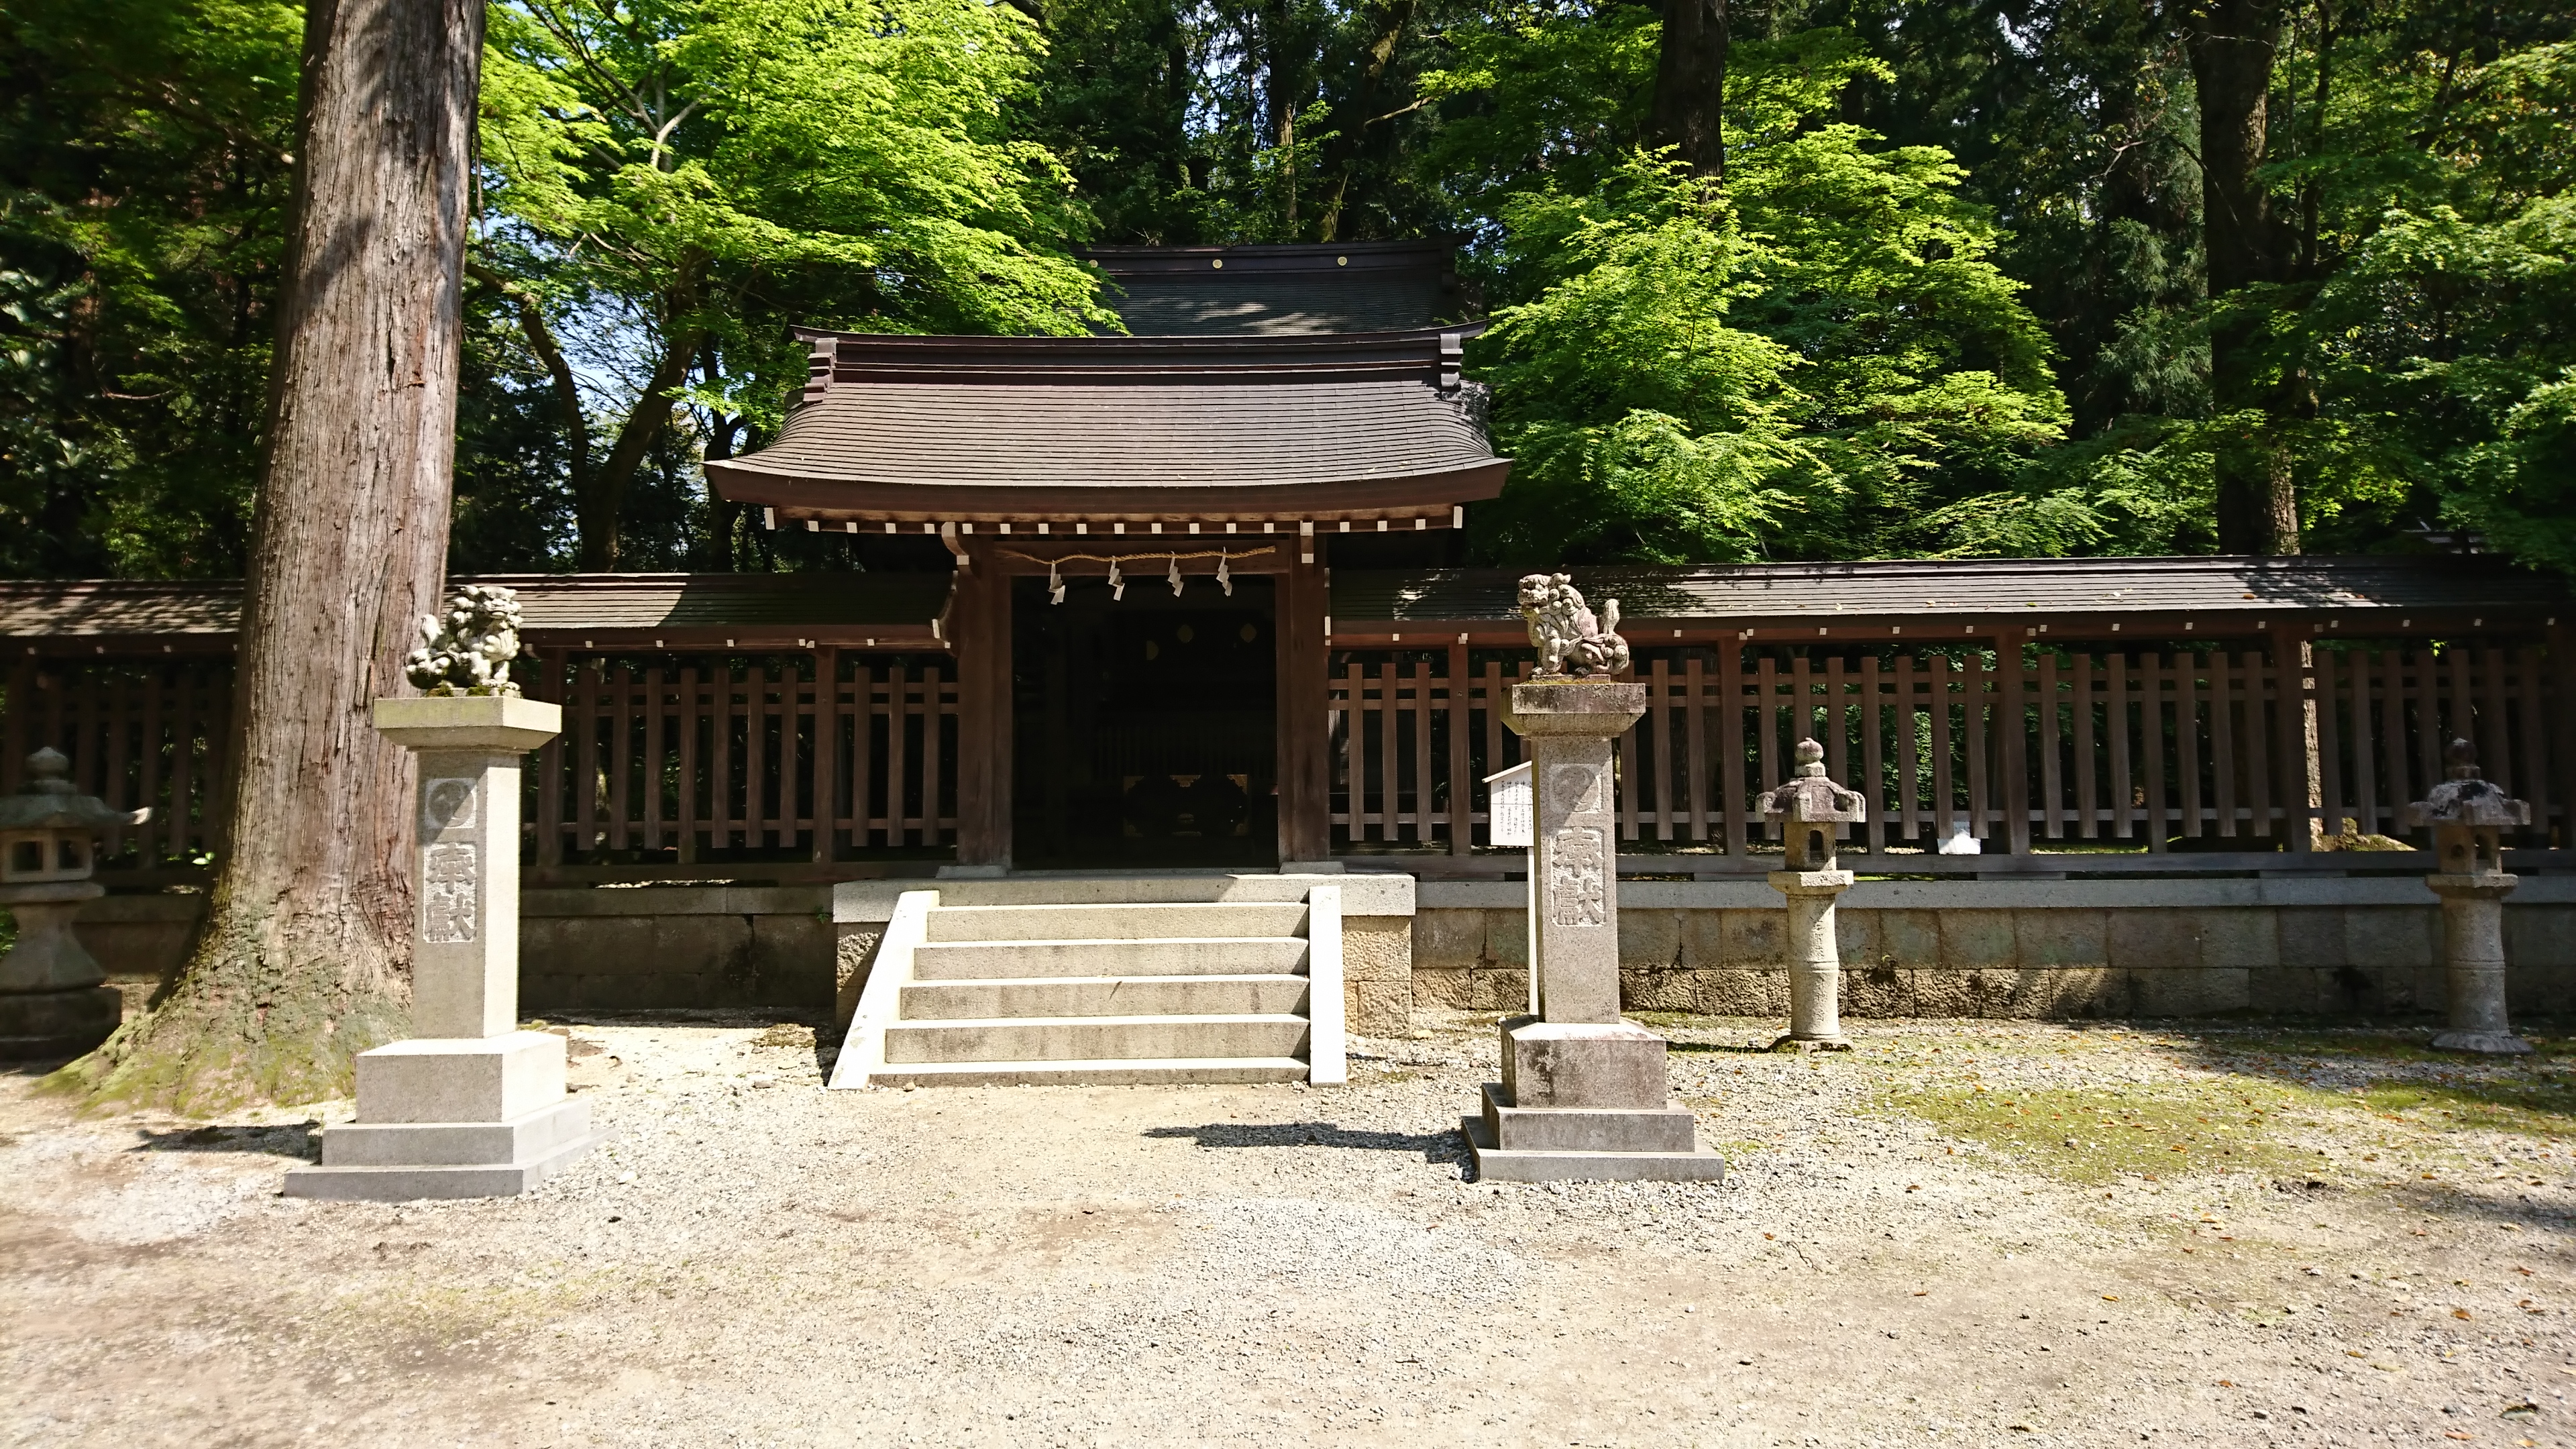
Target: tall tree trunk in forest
[
  {"x": 302, "y": 959},
  {"x": 1690, "y": 84},
  {"x": 1372, "y": 103},
  {"x": 599, "y": 501},
  {"x": 2233, "y": 43}
]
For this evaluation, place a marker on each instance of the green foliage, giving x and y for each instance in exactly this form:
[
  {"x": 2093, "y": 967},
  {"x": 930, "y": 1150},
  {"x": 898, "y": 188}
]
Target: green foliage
[
  {"x": 143, "y": 173},
  {"x": 1242, "y": 120},
  {"x": 676, "y": 181},
  {"x": 1808, "y": 362},
  {"x": 1540, "y": 98},
  {"x": 1948, "y": 299},
  {"x": 2444, "y": 345},
  {"x": 773, "y": 136}
]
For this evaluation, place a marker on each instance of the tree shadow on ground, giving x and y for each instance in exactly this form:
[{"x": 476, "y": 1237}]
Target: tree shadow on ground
[
  {"x": 1434, "y": 1146},
  {"x": 291, "y": 1139}
]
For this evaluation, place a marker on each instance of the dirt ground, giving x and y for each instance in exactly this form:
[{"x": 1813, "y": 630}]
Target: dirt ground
[{"x": 1962, "y": 1232}]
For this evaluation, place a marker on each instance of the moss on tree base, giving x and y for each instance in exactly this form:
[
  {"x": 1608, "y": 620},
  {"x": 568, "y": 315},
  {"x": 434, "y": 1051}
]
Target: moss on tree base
[{"x": 256, "y": 1017}]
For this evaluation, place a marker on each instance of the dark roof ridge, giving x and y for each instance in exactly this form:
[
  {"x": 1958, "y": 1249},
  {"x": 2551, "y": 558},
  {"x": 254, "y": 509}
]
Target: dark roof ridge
[
  {"x": 1272, "y": 257},
  {"x": 1434, "y": 353}
]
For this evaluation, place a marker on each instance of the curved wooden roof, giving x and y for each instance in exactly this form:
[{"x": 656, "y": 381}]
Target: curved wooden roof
[
  {"x": 926, "y": 430},
  {"x": 680, "y": 611},
  {"x": 1926, "y": 598}
]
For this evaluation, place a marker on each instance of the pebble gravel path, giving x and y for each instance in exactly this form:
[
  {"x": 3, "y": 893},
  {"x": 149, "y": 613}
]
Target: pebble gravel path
[{"x": 757, "y": 1261}]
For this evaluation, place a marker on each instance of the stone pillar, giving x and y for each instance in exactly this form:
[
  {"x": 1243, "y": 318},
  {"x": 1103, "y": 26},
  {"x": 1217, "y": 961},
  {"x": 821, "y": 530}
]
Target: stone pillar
[
  {"x": 473, "y": 1107},
  {"x": 2473, "y": 929},
  {"x": 1584, "y": 1094},
  {"x": 2469, "y": 816},
  {"x": 1810, "y": 810},
  {"x": 1569, "y": 725},
  {"x": 54, "y": 1000}
]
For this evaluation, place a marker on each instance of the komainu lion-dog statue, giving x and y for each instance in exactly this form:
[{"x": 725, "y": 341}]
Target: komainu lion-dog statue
[{"x": 1561, "y": 628}]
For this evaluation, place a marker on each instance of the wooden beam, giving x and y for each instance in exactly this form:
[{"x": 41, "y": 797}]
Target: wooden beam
[
  {"x": 1305, "y": 757},
  {"x": 980, "y": 631}
]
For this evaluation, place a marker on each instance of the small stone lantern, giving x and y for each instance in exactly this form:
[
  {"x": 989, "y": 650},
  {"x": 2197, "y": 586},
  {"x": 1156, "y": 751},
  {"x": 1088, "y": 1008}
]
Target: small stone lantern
[
  {"x": 1810, "y": 809},
  {"x": 2469, "y": 816},
  {"x": 54, "y": 1000}
]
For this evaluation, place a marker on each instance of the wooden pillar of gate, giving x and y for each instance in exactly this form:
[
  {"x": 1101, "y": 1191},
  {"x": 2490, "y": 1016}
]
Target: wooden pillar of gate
[
  {"x": 1305, "y": 749},
  {"x": 979, "y": 637},
  {"x": 2012, "y": 734}
]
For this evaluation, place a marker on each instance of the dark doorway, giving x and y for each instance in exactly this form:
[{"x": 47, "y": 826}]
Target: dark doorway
[{"x": 1146, "y": 728}]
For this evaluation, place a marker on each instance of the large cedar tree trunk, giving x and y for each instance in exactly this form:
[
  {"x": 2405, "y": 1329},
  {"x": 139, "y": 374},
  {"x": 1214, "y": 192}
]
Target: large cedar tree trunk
[
  {"x": 2233, "y": 43},
  {"x": 303, "y": 956},
  {"x": 1690, "y": 84}
]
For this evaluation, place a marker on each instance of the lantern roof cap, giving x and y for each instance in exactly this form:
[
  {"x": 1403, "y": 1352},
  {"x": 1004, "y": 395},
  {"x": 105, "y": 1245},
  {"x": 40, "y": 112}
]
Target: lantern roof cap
[{"x": 50, "y": 801}]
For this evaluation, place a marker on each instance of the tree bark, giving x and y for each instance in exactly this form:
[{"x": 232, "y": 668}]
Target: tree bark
[
  {"x": 1690, "y": 84},
  {"x": 2233, "y": 44},
  {"x": 303, "y": 957}
]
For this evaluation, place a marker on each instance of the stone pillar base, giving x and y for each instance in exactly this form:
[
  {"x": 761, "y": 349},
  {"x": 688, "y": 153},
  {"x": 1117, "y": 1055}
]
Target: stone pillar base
[
  {"x": 1585, "y": 1102},
  {"x": 1794, "y": 1043},
  {"x": 2493, "y": 1043},
  {"x": 453, "y": 1117},
  {"x": 42, "y": 1025}
]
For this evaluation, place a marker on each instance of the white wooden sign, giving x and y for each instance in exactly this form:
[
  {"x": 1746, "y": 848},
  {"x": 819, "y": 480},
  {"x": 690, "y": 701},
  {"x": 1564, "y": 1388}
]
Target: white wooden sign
[{"x": 1508, "y": 813}]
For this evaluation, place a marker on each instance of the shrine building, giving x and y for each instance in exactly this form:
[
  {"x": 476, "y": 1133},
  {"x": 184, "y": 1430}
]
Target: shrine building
[
  {"x": 1140, "y": 528},
  {"x": 1139, "y": 729}
]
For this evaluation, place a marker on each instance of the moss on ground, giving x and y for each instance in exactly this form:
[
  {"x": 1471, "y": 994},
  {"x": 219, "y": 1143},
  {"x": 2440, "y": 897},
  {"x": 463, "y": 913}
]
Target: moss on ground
[
  {"x": 2529, "y": 1108},
  {"x": 2094, "y": 1134}
]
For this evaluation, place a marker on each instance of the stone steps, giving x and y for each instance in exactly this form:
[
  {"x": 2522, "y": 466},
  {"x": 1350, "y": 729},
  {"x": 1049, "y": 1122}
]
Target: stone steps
[
  {"x": 1036, "y": 981},
  {"x": 1123, "y": 922},
  {"x": 1171, "y": 1071},
  {"x": 1228, "y": 995},
  {"x": 1174, "y": 956},
  {"x": 1096, "y": 1038}
]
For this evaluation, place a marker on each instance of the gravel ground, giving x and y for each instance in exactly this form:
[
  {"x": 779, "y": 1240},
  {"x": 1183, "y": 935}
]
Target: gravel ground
[{"x": 1950, "y": 1235}]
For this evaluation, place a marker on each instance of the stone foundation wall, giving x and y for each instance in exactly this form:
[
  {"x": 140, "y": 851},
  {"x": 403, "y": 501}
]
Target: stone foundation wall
[
  {"x": 1377, "y": 975},
  {"x": 664, "y": 947},
  {"x": 2355, "y": 947},
  {"x": 2350, "y": 947},
  {"x": 598, "y": 950}
]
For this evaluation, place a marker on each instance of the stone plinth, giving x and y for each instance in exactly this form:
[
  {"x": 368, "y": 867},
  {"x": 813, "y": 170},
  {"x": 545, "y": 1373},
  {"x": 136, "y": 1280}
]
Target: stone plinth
[
  {"x": 53, "y": 1000},
  {"x": 2473, "y": 932},
  {"x": 1584, "y": 1094},
  {"x": 1814, "y": 959},
  {"x": 473, "y": 1107}
]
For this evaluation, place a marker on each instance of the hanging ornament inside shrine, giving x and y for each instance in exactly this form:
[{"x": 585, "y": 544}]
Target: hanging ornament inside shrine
[
  {"x": 1175, "y": 576},
  {"x": 1224, "y": 580},
  {"x": 1055, "y": 584}
]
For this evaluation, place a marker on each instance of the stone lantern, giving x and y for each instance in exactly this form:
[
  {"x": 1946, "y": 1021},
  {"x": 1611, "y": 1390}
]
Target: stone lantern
[
  {"x": 54, "y": 1000},
  {"x": 1810, "y": 810},
  {"x": 2469, "y": 816}
]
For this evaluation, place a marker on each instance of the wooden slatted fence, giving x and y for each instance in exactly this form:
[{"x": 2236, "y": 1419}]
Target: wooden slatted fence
[
  {"x": 673, "y": 758},
  {"x": 136, "y": 734},
  {"x": 824, "y": 755},
  {"x": 2214, "y": 748}
]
